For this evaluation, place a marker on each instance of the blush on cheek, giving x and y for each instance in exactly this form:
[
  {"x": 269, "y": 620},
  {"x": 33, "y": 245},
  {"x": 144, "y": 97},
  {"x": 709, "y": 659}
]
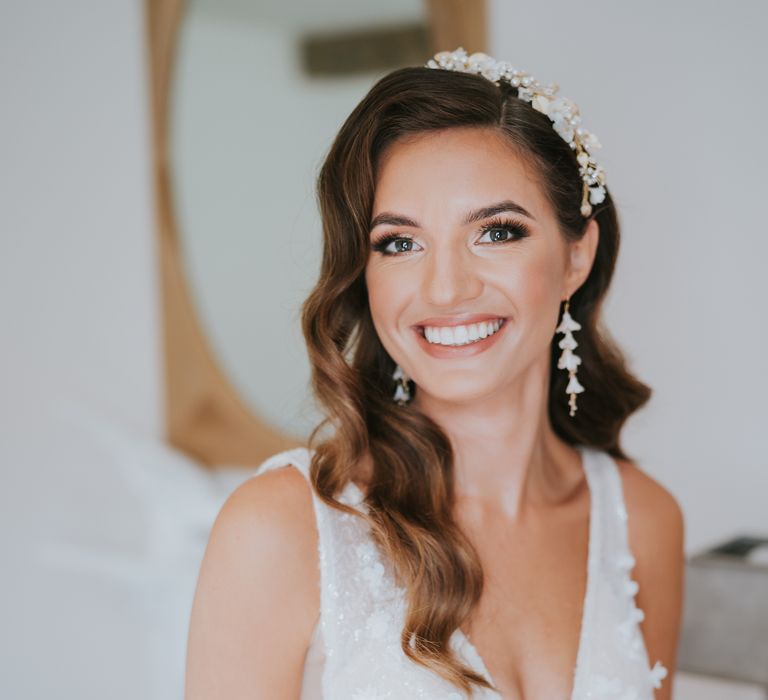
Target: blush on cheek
[
  {"x": 544, "y": 299},
  {"x": 531, "y": 285},
  {"x": 533, "y": 290},
  {"x": 384, "y": 315},
  {"x": 390, "y": 292},
  {"x": 539, "y": 290}
]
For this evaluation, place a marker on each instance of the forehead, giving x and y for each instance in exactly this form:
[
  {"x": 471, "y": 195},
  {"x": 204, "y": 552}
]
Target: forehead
[{"x": 448, "y": 172}]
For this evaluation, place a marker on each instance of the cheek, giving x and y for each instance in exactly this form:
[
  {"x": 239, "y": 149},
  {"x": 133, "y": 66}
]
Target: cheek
[
  {"x": 541, "y": 290},
  {"x": 531, "y": 282},
  {"x": 385, "y": 295},
  {"x": 541, "y": 283},
  {"x": 532, "y": 286}
]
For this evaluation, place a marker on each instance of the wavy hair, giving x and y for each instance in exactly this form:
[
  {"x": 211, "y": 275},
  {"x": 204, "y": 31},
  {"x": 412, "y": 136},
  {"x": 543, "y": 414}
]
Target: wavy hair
[{"x": 409, "y": 495}]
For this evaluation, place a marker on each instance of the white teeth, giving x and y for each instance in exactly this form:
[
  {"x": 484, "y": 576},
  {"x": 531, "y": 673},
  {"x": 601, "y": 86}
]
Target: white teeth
[{"x": 461, "y": 335}]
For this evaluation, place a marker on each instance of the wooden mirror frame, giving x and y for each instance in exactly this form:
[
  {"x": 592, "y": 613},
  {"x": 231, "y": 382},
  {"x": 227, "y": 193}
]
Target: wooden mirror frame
[{"x": 205, "y": 416}]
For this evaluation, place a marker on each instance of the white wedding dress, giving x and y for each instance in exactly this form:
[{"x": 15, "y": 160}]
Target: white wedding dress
[{"x": 355, "y": 651}]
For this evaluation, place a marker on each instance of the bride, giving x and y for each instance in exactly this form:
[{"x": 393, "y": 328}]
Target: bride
[{"x": 465, "y": 522}]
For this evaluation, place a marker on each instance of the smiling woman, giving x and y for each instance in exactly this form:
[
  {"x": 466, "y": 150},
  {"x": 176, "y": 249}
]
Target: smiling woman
[
  {"x": 461, "y": 495},
  {"x": 507, "y": 258}
]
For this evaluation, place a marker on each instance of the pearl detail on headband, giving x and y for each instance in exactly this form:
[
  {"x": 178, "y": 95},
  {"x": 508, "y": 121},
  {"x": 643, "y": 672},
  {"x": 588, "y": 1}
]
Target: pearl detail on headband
[{"x": 562, "y": 112}]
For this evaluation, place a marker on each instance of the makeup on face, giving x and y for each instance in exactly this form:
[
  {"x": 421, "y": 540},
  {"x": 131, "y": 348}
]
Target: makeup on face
[{"x": 459, "y": 232}]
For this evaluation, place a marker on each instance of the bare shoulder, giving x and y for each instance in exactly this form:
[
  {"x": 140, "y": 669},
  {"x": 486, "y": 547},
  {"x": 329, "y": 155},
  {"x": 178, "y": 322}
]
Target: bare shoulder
[
  {"x": 656, "y": 528},
  {"x": 257, "y": 597},
  {"x": 655, "y": 514}
]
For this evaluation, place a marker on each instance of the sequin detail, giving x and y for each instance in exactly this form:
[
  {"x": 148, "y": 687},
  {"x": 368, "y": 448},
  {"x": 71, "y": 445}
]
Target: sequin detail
[{"x": 362, "y": 610}]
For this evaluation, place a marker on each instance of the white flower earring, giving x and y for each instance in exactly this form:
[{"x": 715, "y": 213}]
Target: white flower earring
[
  {"x": 569, "y": 360},
  {"x": 402, "y": 390}
]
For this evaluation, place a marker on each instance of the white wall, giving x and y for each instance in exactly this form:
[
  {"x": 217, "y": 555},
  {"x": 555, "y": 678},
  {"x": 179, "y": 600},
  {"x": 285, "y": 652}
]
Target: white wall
[
  {"x": 674, "y": 91},
  {"x": 79, "y": 319},
  {"x": 78, "y": 287}
]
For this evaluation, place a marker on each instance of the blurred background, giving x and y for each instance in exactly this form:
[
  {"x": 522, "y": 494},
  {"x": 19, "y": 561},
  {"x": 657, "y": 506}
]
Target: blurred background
[{"x": 158, "y": 232}]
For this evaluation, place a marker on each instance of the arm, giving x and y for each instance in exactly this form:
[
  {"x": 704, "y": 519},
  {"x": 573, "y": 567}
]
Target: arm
[
  {"x": 257, "y": 597},
  {"x": 657, "y": 540}
]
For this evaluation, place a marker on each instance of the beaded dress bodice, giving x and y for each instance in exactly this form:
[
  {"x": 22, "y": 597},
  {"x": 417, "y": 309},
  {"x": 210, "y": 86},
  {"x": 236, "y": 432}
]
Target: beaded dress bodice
[{"x": 355, "y": 651}]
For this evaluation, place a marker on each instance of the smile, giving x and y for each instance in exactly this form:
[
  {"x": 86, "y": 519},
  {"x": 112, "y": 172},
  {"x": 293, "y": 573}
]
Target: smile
[
  {"x": 460, "y": 341},
  {"x": 454, "y": 336}
]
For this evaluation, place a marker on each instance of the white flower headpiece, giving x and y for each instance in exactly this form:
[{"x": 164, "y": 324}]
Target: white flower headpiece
[{"x": 563, "y": 112}]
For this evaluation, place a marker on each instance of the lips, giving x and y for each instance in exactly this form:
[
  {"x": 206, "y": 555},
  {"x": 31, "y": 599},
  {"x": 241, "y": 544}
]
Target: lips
[
  {"x": 458, "y": 335},
  {"x": 459, "y": 329},
  {"x": 479, "y": 337},
  {"x": 457, "y": 320}
]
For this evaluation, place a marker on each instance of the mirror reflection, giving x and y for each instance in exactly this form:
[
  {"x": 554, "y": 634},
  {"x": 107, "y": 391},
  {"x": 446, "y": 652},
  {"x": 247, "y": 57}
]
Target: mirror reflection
[{"x": 257, "y": 94}]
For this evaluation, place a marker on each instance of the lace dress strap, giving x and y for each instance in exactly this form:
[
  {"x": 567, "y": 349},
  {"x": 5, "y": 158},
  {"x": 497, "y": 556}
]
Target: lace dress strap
[
  {"x": 341, "y": 538},
  {"x": 620, "y": 561},
  {"x": 300, "y": 457}
]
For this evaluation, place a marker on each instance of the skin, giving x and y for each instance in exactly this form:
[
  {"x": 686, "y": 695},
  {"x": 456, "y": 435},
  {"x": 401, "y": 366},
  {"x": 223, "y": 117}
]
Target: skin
[{"x": 521, "y": 492}]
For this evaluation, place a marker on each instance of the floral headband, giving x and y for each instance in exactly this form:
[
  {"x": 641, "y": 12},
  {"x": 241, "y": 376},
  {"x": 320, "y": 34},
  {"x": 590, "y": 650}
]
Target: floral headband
[{"x": 563, "y": 112}]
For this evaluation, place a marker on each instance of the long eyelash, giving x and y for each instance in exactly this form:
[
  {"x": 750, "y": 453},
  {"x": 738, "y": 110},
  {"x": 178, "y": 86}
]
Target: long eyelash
[
  {"x": 385, "y": 240},
  {"x": 514, "y": 227}
]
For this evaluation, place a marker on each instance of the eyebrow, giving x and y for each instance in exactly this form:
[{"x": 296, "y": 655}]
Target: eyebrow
[{"x": 473, "y": 216}]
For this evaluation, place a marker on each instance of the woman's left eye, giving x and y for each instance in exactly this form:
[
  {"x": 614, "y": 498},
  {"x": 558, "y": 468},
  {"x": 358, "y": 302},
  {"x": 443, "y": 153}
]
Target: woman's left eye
[{"x": 503, "y": 232}]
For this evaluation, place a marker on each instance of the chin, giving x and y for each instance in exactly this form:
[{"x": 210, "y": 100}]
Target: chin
[{"x": 456, "y": 392}]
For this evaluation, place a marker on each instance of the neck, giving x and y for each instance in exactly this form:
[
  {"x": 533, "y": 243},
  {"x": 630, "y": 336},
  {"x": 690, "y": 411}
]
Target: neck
[{"x": 507, "y": 458}]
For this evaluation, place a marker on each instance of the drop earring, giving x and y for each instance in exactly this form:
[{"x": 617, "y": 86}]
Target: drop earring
[
  {"x": 402, "y": 390},
  {"x": 569, "y": 360}
]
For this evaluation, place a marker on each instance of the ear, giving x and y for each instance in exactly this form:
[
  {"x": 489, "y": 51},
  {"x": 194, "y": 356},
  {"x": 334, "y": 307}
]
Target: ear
[{"x": 580, "y": 256}]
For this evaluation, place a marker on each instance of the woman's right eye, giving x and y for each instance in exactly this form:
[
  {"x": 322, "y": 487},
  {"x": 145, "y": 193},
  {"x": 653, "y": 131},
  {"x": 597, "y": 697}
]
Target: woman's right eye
[{"x": 393, "y": 245}]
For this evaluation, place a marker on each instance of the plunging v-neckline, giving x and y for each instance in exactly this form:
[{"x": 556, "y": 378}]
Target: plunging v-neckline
[
  {"x": 586, "y": 606},
  {"x": 587, "y": 463}
]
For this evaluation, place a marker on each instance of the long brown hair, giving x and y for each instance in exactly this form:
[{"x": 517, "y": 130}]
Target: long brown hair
[{"x": 410, "y": 487}]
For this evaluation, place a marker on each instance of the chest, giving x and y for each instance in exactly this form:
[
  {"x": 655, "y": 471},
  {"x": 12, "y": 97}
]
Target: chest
[
  {"x": 527, "y": 626},
  {"x": 524, "y": 636}
]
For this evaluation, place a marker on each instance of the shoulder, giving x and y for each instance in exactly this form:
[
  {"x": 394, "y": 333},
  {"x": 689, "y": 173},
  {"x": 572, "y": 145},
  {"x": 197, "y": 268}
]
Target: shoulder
[
  {"x": 656, "y": 531},
  {"x": 655, "y": 516},
  {"x": 258, "y": 591},
  {"x": 273, "y": 509},
  {"x": 268, "y": 519}
]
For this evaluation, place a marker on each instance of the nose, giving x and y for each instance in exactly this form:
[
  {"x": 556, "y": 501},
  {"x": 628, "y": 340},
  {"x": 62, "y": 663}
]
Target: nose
[{"x": 450, "y": 277}]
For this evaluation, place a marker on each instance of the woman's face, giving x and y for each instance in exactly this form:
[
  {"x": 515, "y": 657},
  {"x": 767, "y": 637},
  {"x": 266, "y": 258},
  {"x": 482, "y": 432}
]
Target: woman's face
[{"x": 465, "y": 300}]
